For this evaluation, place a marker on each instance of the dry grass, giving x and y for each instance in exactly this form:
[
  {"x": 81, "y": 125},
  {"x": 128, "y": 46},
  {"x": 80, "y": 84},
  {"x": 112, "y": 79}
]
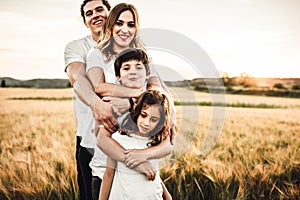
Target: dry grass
[{"x": 256, "y": 157}]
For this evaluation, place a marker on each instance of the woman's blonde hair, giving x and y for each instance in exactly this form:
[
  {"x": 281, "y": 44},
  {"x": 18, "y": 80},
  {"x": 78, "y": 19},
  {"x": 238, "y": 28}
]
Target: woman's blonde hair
[{"x": 106, "y": 42}]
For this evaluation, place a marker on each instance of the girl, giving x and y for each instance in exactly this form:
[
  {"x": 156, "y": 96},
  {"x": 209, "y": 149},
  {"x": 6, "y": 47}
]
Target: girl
[{"x": 150, "y": 114}]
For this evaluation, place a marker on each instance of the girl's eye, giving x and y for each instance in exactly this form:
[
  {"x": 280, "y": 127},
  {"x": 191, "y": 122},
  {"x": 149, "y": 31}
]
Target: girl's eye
[
  {"x": 125, "y": 68},
  {"x": 143, "y": 115},
  {"x": 154, "y": 120}
]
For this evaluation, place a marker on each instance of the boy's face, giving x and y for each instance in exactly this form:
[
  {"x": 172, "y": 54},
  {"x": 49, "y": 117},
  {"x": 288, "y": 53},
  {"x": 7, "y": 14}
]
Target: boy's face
[{"x": 132, "y": 74}]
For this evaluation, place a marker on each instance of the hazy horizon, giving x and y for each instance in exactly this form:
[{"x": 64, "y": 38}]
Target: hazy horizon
[{"x": 260, "y": 38}]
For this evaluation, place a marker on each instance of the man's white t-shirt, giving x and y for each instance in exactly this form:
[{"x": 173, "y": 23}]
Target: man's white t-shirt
[{"x": 76, "y": 51}]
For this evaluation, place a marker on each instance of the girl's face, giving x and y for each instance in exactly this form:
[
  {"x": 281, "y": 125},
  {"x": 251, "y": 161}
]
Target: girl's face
[
  {"x": 123, "y": 31},
  {"x": 148, "y": 119},
  {"x": 133, "y": 74}
]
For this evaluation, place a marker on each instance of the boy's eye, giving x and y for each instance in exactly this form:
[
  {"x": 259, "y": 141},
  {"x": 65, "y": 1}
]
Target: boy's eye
[
  {"x": 125, "y": 68},
  {"x": 139, "y": 67}
]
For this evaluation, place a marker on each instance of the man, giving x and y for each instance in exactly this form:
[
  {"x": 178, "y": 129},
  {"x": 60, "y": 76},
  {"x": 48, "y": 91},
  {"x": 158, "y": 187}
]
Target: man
[{"x": 94, "y": 14}]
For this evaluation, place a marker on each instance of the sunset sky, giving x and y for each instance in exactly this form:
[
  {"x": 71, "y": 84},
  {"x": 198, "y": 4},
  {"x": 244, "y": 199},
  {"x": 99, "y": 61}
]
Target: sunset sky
[{"x": 259, "y": 37}]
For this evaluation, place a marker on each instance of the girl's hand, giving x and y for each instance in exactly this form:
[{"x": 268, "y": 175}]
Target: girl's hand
[{"x": 134, "y": 157}]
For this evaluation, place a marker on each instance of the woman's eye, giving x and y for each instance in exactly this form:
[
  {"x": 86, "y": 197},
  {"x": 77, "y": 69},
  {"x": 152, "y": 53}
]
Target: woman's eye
[
  {"x": 143, "y": 115},
  {"x": 131, "y": 25},
  {"x": 119, "y": 23}
]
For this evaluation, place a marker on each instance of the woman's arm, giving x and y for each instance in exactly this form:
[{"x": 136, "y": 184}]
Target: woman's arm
[{"x": 107, "y": 179}]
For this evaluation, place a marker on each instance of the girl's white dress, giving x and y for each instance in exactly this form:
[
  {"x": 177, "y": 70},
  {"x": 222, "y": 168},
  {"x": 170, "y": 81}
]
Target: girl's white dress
[{"x": 129, "y": 184}]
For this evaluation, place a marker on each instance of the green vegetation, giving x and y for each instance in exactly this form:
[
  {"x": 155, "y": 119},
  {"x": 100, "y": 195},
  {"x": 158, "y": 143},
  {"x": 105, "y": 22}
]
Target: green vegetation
[
  {"x": 42, "y": 98},
  {"x": 238, "y": 104}
]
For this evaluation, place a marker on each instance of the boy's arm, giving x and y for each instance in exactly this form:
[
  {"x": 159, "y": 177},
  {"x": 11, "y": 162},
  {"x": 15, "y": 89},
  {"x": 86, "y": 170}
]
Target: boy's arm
[
  {"x": 107, "y": 179},
  {"x": 134, "y": 157}
]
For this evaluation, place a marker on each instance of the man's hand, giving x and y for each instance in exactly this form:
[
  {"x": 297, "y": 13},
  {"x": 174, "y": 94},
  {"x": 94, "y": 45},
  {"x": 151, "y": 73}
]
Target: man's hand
[
  {"x": 103, "y": 115},
  {"x": 134, "y": 157}
]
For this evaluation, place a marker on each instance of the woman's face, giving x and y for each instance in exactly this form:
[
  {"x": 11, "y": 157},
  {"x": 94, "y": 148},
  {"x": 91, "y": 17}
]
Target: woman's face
[
  {"x": 124, "y": 31},
  {"x": 148, "y": 119}
]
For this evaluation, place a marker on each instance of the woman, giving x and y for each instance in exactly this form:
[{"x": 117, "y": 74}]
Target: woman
[{"x": 121, "y": 31}]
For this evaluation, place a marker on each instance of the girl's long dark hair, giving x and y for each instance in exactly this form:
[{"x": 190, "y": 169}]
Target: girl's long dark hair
[{"x": 149, "y": 98}]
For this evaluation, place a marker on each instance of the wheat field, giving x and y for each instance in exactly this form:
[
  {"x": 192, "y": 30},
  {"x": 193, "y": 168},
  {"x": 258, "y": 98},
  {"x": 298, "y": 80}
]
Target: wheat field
[{"x": 257, "y": 154}]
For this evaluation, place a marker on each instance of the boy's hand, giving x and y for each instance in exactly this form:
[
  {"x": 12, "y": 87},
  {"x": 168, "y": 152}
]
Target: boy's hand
[
  {"x": 147, "y": 169},
  {"x": 134, "y": 157}
]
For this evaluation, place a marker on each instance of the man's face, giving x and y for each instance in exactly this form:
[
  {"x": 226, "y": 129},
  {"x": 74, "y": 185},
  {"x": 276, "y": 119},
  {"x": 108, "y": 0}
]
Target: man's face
[
  {"x": 133, "y": 74},
  {"x": 95, "y": 13}
]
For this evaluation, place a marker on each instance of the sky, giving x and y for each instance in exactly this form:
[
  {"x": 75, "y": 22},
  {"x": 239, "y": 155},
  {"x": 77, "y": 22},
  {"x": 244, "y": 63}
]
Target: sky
[{"x": 258, "y": 37}]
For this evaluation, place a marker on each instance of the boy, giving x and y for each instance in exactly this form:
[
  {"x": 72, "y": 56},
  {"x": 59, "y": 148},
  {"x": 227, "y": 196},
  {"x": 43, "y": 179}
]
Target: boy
[{"x": 131, "y": 70}]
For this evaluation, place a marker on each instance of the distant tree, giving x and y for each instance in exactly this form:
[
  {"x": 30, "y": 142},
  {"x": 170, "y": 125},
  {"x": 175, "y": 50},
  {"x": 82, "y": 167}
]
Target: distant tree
[
  {"x": 279, "y": 86},
  {"x": 296, "y": 87},
  {"x": 69, "y": 84},
  {"x": 3, "y": 83}
]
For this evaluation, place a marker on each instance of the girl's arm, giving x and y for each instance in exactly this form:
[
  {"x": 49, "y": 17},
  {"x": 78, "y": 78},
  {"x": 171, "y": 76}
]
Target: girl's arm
[
  {"x": 107, "y": 179},
  {"x": 166, "y": 195}
]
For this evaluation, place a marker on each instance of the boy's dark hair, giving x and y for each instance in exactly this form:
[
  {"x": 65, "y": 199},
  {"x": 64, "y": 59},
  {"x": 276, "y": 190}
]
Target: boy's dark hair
[
  {"x": 105, "y": 3},
  {"x": 131, "y": 54}
]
